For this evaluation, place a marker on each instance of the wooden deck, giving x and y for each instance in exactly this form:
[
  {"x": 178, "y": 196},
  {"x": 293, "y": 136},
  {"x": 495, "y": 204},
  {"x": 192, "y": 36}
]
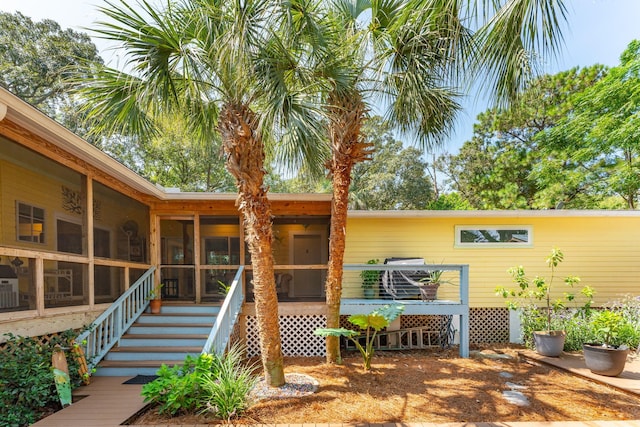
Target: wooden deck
[{"x": 108, "y": 402}]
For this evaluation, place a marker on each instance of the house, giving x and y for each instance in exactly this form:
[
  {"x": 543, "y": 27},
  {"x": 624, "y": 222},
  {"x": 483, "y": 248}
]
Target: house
[{"x": 77, "y": 229}]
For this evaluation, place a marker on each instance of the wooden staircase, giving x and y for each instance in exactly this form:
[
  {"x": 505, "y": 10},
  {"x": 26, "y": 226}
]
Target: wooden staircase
[{"x": 156, "y": 339}]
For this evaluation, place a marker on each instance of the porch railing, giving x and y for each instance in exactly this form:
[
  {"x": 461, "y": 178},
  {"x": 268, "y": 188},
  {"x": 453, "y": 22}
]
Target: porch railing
[
  {"x": 109, "y": 327},
  {"x": 227, "y": 317},
  {"x": 405, "y": 284}
]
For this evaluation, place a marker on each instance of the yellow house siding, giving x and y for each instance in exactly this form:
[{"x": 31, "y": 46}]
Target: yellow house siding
[
  {"x": 603, "y": 251},
  {"x": 30, "y": 188}
]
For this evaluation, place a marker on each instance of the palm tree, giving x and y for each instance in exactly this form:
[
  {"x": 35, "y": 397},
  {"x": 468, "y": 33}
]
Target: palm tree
[
  {"x": 229, "y": 67},
  {"x": 415, "y": 56}
]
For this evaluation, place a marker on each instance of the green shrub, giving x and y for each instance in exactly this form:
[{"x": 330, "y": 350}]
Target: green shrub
[
  {"x": 177, "y": 389},
  {"x": 27, "y": 388},
  {"x": 227, "y": 387},
  {"x": 208, "y": 383}
]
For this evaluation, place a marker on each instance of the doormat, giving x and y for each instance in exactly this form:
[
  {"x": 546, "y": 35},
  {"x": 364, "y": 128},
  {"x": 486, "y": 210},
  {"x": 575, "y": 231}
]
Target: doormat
[{"x": 141, "y": 379}]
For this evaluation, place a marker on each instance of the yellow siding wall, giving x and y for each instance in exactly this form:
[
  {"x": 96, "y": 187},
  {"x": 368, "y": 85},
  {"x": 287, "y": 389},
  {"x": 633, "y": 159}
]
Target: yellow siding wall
[
  {"x": 23, "y": 185},
  {"x": 603, "y": 251},
  {"x": 45, "y": 191}
]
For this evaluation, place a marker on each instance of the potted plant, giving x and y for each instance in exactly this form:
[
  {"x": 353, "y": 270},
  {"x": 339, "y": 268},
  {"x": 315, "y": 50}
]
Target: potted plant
[
  {"x": 155, "y": 301},
  {"x": 608, "y": 356},
  {"x": 370, "y": 280},
  {"x": 430, "y": 285},
  {"x": 536, "y": 292}
]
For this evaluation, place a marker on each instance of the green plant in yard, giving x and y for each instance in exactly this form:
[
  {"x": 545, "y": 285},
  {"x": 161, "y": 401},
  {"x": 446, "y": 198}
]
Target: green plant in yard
[
  {"x": 532, "y": 299},
  {"x": 611, "y": 328},
  {"x": 538, "y": 288},
  {"x": 220, "y": 384},
  {"x": 371, "y": 324},
  {"x": 27, "y": 389},
  {"x": 629, "y": 307},
  {"x": 226, "y": 388}
]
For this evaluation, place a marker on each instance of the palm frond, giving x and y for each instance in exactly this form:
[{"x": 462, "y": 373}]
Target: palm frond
[{"x": 508, "y": 39}]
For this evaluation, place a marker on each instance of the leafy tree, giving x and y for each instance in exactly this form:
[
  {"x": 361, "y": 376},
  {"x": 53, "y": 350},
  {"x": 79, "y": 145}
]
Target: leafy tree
[
  {"x": 394, "y": 178},
  {"x": 449, "y": 202},
  {"x": 35, "y": 59},
  {"x": 175, "y": 157},
  {"x": 227, "y": 67},
  {"x": 602, "y": 132},
  {"x": 504, "y": 166}
]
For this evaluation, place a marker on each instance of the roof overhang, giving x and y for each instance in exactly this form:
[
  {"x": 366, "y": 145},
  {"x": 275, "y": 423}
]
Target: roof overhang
[
  {"x": 38, "y": 123},
  {"x": 549, "y": 213}
]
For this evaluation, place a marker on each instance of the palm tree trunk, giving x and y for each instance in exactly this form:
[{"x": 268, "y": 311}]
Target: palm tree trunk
[
  {"x": 348, "y": 149},
  {"x": 245, "y": 161}
]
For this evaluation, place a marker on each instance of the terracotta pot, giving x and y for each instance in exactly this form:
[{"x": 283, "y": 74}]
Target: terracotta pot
[
  {"x": 607, "y": 361},
  {"x": 549, "y": 343},
  {"x": 155, "y": 305}
]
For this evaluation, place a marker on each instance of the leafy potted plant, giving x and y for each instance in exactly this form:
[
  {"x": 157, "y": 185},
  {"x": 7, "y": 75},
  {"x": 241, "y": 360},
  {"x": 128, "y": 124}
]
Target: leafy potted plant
[
  {"x": 370, "y": 280},
  {"x": 537, "y": 291},
  {"x": 430, "y": 285},
  {"x": 609, "y": 355},
  {"x": 155, "y": 301}
]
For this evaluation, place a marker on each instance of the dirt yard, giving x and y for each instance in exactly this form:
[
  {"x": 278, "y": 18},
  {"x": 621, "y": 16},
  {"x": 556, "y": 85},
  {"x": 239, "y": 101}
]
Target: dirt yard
[{"x": 433, "y": 386}]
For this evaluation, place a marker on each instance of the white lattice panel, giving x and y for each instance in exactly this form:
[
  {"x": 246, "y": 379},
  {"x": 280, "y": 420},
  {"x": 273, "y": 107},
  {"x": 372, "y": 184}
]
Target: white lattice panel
[{"x": 296, "y": 333}]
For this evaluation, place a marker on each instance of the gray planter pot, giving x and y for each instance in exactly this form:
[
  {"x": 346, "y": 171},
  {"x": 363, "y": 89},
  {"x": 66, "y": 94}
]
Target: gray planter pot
[
  {"x": 369, "y": 293},
  {"x": 607, "y": 361},
  {"x": 549, "y": 343}
]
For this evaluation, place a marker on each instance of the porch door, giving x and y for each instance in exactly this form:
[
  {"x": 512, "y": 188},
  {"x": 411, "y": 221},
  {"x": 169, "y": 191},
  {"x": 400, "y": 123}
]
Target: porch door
[{"x": 307, "y": 250}]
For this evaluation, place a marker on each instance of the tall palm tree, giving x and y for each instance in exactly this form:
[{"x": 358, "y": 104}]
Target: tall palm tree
[
  {"x": 230, "y": 67},
  {"x": 414, "y": 57}
]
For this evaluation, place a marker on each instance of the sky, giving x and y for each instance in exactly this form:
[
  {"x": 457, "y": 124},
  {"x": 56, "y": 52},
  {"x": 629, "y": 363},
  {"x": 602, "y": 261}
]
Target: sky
[{"x": 597, "y": 33}]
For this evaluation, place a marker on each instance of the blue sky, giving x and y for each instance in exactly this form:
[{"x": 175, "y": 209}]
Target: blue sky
[{"x": 598, "y": 31}]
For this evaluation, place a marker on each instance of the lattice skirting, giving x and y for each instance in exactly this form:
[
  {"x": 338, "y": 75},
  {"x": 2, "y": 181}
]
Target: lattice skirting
[
  {"x": 296, "y": 334},
  {"x": 488, "y": 325}
]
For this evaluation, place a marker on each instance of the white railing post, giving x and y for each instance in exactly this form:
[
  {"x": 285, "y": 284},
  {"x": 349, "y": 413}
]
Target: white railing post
[{"x": 464, "y": 317}]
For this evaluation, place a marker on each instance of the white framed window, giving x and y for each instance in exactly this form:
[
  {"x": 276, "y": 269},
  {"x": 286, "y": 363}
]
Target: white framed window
[
  {"x": 30, "y": 223},
  {"x": 494, "y": 236}
]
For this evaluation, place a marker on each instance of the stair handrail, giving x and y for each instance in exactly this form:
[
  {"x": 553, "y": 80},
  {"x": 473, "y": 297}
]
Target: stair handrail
[
  {"x": 227, "y": 317},
  {"x": 107, "y": 329}
]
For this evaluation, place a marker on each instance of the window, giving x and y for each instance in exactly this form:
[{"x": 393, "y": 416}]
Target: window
[
  {"x": 30, "y": 223},
  {"x": 494, "y": 236}
]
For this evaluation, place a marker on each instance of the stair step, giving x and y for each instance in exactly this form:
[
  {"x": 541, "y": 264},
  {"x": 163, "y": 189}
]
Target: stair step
[
  {"x": 168, "y": 308},
  {"x": 155, "y": 349},
  {"x": 132, "y": 368},
  {"x": 172, "y": 329},
  {"x": 151, "y": 353},
  {"x": 177, "y": 318},
  {"x": 163, "y": 340}
]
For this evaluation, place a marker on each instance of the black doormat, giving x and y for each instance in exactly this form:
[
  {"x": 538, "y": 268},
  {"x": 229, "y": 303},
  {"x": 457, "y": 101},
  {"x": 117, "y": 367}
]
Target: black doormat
[{"x": 141, "y": 379}]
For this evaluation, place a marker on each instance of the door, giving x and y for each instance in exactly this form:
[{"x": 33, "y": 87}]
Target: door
[{"x": 307, "y": 250}]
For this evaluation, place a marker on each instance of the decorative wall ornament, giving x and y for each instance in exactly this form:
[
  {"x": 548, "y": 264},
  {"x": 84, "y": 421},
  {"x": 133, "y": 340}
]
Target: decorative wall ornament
[
  {"x": 97, "y": 209},
  {"x": 73, "y": 202}
]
